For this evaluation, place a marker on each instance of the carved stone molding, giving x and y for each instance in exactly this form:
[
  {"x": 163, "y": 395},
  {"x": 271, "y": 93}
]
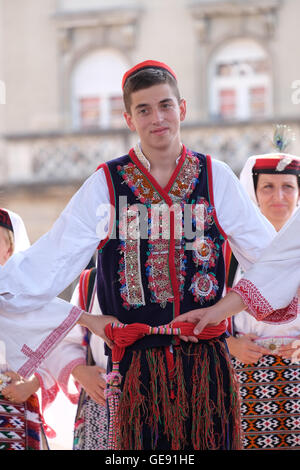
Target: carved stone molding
[
  {"x": 119, "y": 26},
  {"x": 206, "y": 13},
  {"x": 233, "y": 8}
]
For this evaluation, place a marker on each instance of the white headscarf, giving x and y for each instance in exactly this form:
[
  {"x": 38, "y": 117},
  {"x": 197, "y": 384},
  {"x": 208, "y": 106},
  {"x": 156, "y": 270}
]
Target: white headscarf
[
  {"x": 246, "y": 176},
  {"x": 20, "y": 234},
  {"x": 21, "y": 242}
]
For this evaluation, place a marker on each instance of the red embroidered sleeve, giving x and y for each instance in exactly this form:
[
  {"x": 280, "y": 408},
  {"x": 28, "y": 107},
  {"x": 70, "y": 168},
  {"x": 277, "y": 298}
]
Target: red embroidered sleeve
[{"x": 259, "y": 307}]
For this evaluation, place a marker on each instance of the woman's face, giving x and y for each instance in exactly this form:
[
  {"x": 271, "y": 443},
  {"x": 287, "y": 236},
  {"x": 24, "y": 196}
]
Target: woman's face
[
  {"x": 5, "y": 246},
  {"x": 277, "y": 197}
]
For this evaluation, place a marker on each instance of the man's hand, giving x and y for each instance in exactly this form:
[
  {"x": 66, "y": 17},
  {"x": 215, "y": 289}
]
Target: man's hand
[
  {"x": 202, "y": 317},
  {"x": 245, "y": 349},
  {"x": 92, "y": 381},
  {"x": 19, "y": 390},
  {"x": 96, "y": 324},
  {"x": 229, "y": 305}
]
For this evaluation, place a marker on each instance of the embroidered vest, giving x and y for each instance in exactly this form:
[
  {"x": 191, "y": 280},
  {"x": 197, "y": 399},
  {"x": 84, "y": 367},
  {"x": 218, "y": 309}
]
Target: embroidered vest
[{"x": 155, "y": 265}]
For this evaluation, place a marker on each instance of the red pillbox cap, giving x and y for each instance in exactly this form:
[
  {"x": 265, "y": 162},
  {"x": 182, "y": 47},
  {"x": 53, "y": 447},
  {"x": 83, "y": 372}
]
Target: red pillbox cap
[{"x": 145, "y": 65}]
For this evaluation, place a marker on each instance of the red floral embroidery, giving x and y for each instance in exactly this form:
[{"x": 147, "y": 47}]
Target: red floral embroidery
[
  {"x": 157, "y": 265},
  {"x": 205, "y": 252},
  {"x": 204, "y": 286},
  {"x": 202, "y": 214}
]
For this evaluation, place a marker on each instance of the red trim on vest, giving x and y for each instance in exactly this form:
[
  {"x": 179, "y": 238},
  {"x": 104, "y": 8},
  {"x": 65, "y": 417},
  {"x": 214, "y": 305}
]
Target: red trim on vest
[
  {"x": 211, "y": 194},
  {"x": 83, "y": 288},
  {"x": 177, "y": 170},
  {"x": 227, "y": 253},
  {"x": 163, "y": 193},
  {"x": 112, "y": 202}
]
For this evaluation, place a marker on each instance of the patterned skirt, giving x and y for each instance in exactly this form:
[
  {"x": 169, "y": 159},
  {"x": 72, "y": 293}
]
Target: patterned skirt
[
  {"x": 20, "y": 425},
  {"x": 90, "y": 431},
  {"x": 186, "y": 399},
  {"x": 270, "y": 403}
]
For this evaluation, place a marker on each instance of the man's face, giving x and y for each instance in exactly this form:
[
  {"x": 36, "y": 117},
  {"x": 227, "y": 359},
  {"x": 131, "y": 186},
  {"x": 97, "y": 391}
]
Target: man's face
[{"x": 155, "y": 115}]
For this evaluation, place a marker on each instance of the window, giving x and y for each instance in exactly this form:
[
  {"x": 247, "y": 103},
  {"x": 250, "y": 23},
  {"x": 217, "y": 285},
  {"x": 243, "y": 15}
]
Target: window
[
  {"x": 96, "y": 91},
  {"x": 89, "y": 112},
  {"x": 116, "y": 111},
  {"x": 83, "y": 5},
  {"x": 227, "y": 102},
  {"x": 258, "y": 100},
  {"x": 240, "y": 81}
]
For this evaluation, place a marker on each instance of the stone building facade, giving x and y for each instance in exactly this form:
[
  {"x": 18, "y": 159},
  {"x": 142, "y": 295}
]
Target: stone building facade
[{"x": 61, "y": 63}]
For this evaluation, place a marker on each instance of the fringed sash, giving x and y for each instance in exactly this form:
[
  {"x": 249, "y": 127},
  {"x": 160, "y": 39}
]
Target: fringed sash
[{"x": 123, "y": 336}]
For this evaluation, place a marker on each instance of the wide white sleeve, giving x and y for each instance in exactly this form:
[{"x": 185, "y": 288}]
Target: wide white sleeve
[
  {"x": 29, "y": 338},
  {"x": 269, "y": 288},
  {"x": 35, "y": 276},
  {"x": 56, "y": 370},
  {"x": 247, "y": 230},
  {"x": 32, "y": 319}
]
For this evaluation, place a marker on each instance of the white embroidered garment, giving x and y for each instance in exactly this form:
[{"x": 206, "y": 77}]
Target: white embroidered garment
[
  {"x": 21, "y": 242},
  {"x": 70, "y": 352},
  {"x": 270, "y": 286},
  {"x": 31, "y": 279},
  {"x": 246, "y": 324}
]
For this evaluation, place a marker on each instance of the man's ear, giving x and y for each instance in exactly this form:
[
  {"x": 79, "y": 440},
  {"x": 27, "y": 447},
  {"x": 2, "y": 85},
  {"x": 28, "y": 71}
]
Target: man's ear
[
  {"x": 128, "y": 119},
  {"x": 10, "y": 251},
  {"x": 182, "y": 107}
]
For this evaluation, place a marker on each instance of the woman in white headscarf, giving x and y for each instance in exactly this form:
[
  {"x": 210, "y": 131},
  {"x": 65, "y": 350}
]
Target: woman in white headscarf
[
  {"x": 55, "y": 373},
  {"x": 273, "y": 183},
  {"x": 262, "y": 350},
  {"x": 21, "y": 425},
  {"x": 263, "y": 337}
]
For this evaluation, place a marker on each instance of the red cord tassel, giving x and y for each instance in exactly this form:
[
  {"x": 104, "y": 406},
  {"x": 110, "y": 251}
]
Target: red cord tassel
[{"x": 126, "y": 335}]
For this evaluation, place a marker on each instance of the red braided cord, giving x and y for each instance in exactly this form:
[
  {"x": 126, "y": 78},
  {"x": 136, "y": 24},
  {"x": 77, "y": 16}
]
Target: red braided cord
[{"x": 126, "y": 335}]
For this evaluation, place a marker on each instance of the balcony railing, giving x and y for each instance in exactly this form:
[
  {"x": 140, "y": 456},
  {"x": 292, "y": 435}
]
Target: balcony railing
[{"x": 72, "y": 157}]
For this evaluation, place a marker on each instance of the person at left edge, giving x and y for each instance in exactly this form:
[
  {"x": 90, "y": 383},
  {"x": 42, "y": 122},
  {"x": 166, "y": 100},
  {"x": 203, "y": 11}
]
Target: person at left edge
[
  {"x": 155, "y": 113},
  {"x": 21, "y": 423}
]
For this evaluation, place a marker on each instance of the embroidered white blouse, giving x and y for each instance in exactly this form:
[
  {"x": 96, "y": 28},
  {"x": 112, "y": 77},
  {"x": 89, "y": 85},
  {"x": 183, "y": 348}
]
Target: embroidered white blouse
[
  {"x": 246, "y": 324},
  {"x": 272, "y": 285},
  {"x": 56, "y": 369},
  {"x": 33, "y": 321}
]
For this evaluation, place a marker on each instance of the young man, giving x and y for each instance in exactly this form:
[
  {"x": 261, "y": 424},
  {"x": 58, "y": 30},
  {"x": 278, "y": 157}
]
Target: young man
[{"x": 153, "y": 265}]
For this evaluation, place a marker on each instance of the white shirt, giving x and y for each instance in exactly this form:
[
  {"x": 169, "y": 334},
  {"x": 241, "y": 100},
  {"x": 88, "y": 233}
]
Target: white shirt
[
  {"x": 244, "y": 323},
  {"x": 272, "y": 283},
  {"x": 31, "y": 279}
]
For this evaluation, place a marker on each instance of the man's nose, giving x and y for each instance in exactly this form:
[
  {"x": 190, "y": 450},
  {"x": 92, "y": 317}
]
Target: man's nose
[{"x": 157, "y": 116}]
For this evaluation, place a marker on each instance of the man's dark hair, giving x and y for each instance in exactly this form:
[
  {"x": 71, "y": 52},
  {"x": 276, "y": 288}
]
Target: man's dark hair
[{"x": 147, "y": 78}]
